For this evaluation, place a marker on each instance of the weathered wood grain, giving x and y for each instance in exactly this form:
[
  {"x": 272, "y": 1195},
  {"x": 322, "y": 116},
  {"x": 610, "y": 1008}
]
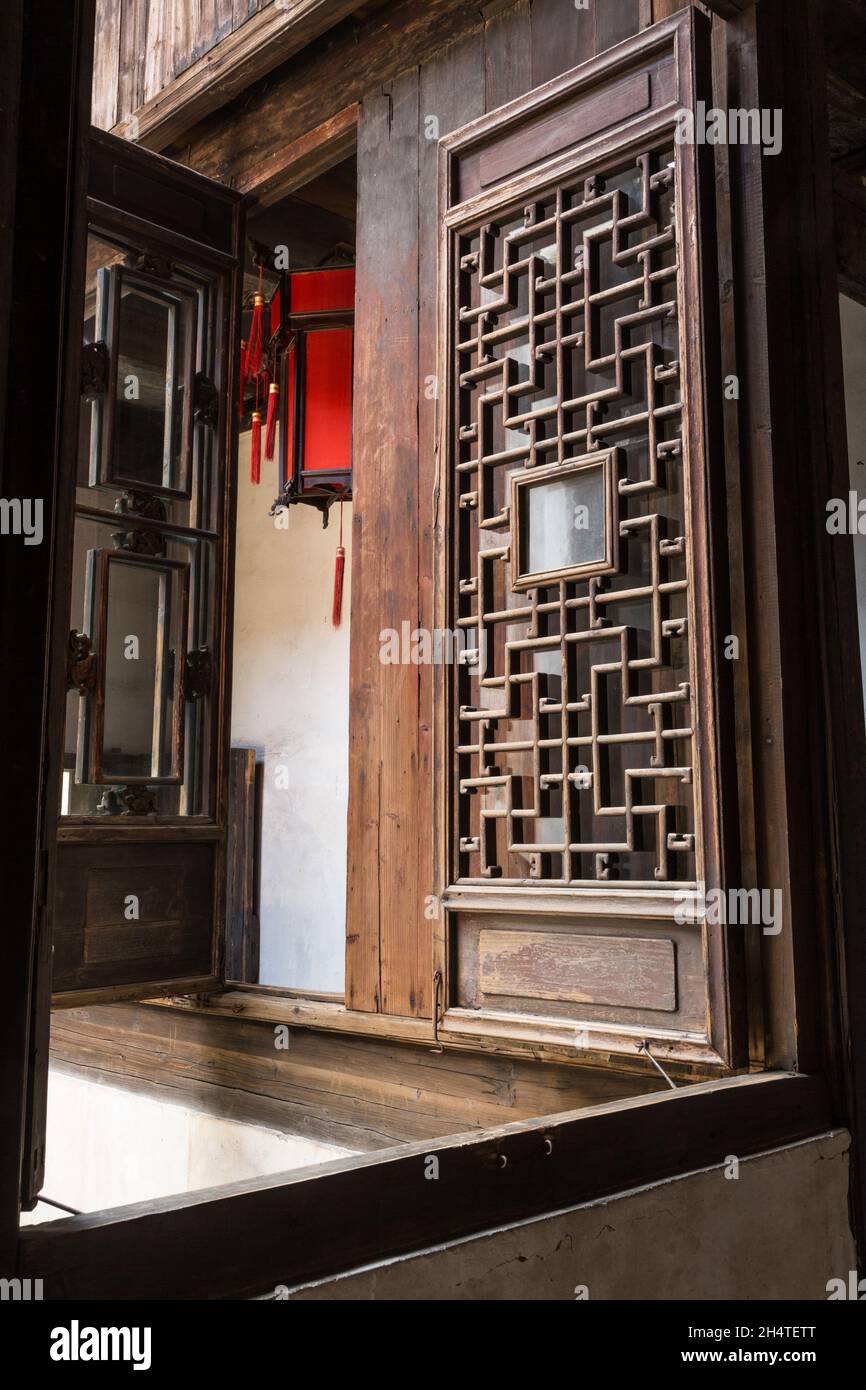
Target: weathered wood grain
[
  {"x": 359, "y": 1092},
  {"x": 507, "y": 55},
  {"x": 340, "y": 68},
  {"x": 562, "y": 37},
  {"x": 634, "y": 972},
  {"x": 288, "y": 167},
  {"x": 245, "y": 1238},
  {"x": 196, "y": 60},
  {"x": 106, "y": 58}
]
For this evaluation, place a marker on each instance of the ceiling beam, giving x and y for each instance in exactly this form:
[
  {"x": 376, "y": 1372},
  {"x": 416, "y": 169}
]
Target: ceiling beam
[
  {"x": 728, "y": 9},
  {"x": 317, "y": 85},
  {"x": 288, "y": 167},
  {"x": 261, "y": 44}
]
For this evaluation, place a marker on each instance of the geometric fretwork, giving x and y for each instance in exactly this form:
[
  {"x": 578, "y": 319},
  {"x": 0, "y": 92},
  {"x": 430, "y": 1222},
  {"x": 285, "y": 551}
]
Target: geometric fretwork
[{"x": 573, "y": 752}]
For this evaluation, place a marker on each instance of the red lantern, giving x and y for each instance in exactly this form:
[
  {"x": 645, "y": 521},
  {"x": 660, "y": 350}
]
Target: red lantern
[{"x": 316, "y": 389}]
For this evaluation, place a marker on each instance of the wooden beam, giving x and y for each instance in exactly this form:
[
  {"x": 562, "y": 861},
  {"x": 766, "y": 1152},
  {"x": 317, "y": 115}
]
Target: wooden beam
[
  {"x": 361, "y": 1093},
  {"x": 728, "y": 9},
  {"x": 261, "y": 44},
  {"x": 242, "y": 1239},
  {"x": 465, "y": 1031},
  {"x": 318, "y": 84},
  {"x": 725, "y": 9},
  {"x": 288, "y": 167}
]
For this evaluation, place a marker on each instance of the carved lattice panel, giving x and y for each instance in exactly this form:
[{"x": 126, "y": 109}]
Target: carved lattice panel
[{"x": 573, "y": 705}]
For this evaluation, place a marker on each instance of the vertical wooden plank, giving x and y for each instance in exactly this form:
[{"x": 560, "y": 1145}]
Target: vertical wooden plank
[
  {"x": 242, "y": 923},
  {"x": 133, "y": 41},
  {"x": 241, "y": 11},
  {"x": 507, "y": 55},
  {"x": 405, "y": 973},
  {"x": 187, "y": 26},
  {"x": 224, "y": 17},
  {"x": 106, "y": 57},
  {"x": 615, "y": 21},
  {"x": 562, "y": 37},
  {"x": 382, "y": 907},
  {"x": 451, "y": 93},
  {"x": 158, "y": 46},
  {"x": 662, "y": 9}
]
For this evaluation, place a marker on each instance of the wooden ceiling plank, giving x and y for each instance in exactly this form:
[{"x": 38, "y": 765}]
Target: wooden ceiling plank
[{"x": 261, "y": 44}]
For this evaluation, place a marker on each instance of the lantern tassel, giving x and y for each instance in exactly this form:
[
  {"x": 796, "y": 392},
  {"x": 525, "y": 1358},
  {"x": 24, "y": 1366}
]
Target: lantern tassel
[
  {"x": 256, "y": 448},
  {"x": 255, "y": 344},
  {"x": 339, "y": 566},
  {"x": 271, "y": 428}
]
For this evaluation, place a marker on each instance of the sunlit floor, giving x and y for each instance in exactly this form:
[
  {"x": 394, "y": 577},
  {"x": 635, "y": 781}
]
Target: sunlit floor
[{"x": 107, "y": 1147}]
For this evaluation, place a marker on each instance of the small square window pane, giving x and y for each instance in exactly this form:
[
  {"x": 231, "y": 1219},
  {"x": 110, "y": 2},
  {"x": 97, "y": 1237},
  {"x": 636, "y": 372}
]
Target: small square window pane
[{"x": 564, "y": 522}]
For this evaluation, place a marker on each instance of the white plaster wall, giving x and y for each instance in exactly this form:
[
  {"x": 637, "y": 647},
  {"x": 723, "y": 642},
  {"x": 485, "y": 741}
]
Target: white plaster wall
[
  {"x": 291, "y": 702},
  {"x": 853, "y": 319},
  {"x": 778, "y": 1231},
  {"x": 108, "y": 1146}
]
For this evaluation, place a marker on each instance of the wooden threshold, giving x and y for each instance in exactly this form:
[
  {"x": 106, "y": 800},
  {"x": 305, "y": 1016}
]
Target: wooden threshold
[
  {"x": 461, "y": 1030},
  {"x": 243, "y": 1239},
  {"x": 261, "y": 44}
]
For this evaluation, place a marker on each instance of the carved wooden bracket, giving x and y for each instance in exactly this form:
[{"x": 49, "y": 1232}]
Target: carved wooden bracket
[
  {"x": 80, "y": 663},
  {"x": 143, "y": 504},
  {"x": 140, "y": 542},
  {"x": 95, "y": 361},
  {"x": 137, "y": 801}
]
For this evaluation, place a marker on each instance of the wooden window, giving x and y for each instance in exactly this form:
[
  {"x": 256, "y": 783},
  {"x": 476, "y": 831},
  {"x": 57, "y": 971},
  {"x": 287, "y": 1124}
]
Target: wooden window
[
  {"x": 137, "y": 864},
  {"x": 579, "y": 805}
]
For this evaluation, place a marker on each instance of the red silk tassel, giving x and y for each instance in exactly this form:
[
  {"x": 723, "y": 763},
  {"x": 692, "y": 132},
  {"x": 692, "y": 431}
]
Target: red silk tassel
[
  {"x": 256, "y": 448},
  {"x": 339, "y": 566},
  {"x": 253, "y": 363},
  {"x": 271, "y": 427}
]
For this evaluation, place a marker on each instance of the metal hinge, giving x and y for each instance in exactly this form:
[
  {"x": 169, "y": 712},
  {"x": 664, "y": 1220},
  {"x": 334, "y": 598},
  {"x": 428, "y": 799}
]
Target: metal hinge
[
  {"x": 206, "y": 403},
  {"x": 197, "y": 673}
]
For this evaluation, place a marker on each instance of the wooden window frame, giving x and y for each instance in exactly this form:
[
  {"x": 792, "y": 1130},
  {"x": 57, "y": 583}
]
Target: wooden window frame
[
  {"x": 525, "y": 579},
  {"x": 95, "y": 749},
  {"x": 106, "y": 471},
  {"x": 684, "y": 39},
  {"x": 336, "y": 1215}
]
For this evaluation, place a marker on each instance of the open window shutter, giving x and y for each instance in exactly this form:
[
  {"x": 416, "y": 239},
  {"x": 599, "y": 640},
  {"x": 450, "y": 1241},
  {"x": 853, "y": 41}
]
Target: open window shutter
[
  {"x": 582, "y": 719},
  {"x": 136, "y": 811},
  {"x": 137, "y": 873}
]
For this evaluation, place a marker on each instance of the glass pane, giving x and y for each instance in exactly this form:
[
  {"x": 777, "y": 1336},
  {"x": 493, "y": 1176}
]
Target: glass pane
[
  {"x": 144, "y": 601},
  {"x": 564, "y": 522},
  {"x": 144, "y": 651},
  {"x": 152, "y": 385},
  {"x": 141, "y": 449}
]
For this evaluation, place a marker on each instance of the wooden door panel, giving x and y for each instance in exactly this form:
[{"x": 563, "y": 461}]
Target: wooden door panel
[{"x": 128, "y": 915}]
